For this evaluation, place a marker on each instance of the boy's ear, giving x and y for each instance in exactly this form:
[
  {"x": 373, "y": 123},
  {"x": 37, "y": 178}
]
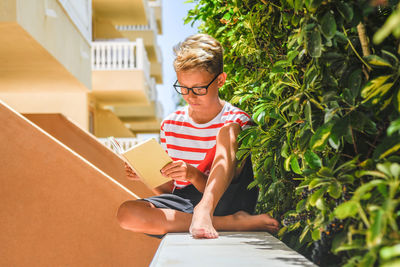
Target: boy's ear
[{"x": 222, "y": 79}]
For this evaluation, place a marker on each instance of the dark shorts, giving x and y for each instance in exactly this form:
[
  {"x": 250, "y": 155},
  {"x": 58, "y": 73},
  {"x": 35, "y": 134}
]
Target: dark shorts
[{"x": 237, "y": 197}]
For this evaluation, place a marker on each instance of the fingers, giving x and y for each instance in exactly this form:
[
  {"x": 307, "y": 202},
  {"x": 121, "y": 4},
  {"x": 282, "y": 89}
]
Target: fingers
[
  {"x": 178, "y": 175},
  {"x": 175, "y": 170},
  {"x": 172, "y": 165},
  {"x": 131, "y": 175}
]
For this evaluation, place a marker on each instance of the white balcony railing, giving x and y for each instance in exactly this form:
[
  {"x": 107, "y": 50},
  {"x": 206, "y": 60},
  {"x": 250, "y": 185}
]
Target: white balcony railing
[
  {"x": 125, "y": 143},
  {"x": 120, "y": 56},
  {"x": 154, "y": 3},
  {"x": 159, "y": 110},
  {"x": 152, "y": 89},
  {"x": 151, "y": 26}
]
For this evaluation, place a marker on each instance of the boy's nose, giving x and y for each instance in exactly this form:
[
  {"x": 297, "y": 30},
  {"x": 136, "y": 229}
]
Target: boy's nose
[{"x": 191, "y": 94}]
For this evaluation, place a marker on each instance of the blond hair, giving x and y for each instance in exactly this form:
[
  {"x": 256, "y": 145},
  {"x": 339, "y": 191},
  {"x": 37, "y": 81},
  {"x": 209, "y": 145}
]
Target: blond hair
[{"x": 199, "y": 51}]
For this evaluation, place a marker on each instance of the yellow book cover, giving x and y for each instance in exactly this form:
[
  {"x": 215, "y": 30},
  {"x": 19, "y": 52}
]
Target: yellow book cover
[{"x": 146, "y": 159}]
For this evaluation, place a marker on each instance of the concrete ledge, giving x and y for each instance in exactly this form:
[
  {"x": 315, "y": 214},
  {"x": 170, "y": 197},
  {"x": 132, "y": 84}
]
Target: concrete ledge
[{"x": 230, "y": 249}]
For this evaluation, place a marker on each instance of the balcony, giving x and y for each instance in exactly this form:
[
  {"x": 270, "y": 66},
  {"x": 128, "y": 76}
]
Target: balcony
[
  {"x": 149, "y": 34},
  {"x": 45, "y": 56},
  {"x": 32, "y": 51},
  {"x": 156, "y": 6},
  {"x": 121, "y": 73},
  {"x": 125, "y": 12}
]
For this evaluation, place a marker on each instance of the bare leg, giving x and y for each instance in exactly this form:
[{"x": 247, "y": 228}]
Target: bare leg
[{"x": 142, "y": 216}]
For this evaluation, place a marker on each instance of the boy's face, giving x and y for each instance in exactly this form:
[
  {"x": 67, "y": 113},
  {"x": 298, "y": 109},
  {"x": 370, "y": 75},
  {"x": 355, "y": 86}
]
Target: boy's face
[{"x": 201, "y": 78}]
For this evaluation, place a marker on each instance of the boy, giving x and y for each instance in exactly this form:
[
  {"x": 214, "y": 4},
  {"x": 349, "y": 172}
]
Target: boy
[{"x": 201, "y": 140}]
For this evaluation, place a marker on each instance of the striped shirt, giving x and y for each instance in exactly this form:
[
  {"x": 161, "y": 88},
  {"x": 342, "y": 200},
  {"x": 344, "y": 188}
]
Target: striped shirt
[{"x": 194, "y": 143}]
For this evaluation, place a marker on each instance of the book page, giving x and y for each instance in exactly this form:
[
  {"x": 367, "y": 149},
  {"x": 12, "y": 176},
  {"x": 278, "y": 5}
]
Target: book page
[
  {"x": 117, "y": 147},
  {"x": 147, "y": 159}
]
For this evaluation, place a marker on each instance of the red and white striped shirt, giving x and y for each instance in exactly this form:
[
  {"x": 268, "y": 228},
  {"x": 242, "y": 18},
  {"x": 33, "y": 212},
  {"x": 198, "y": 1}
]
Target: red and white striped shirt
[{"x": 194, "y": 143}]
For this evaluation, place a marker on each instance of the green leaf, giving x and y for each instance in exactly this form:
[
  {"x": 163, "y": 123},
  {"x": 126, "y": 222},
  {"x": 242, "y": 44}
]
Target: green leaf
[
  {"x": 313, "y": 43},
  {"x": 346, "y": 209},
  {"x": 314, "y": 183},
  {"x": 356, "y": 244},
  {"x": 316, "y": 234},
  {"x": 392, "y": 263},
  {"x": 328, "y": 25},
  {"x": 346, "y": 178},
  {"x": 387, "y": 146},
  {"x": 395, "y": 170},
  {"x": 312, "y": 5},
  {"x": 395, "y": 148},
  {"x": 325, "y": 172},
  {"x": 304, "y": 233},
  {"x": 301, "y": 205},
  {"x": 398, "y": 101},
  {"x": 320, "y": 138},
  {"x": 308, "y": 113},
  {"x": 387, "y": 253},
  {"x": 317, "y": 195},
  {"x": 320, "y": 204},
  {"x": 386, "y": 168},
  {"x": 372, "y": 85},
  {"x": 295, "y": 165},
  {"x": 313, "y": 160},
  {"x": 286, "y": 164},
  {"x": 242, "y": 153},
  {"x": 298, "y": 5},
  {"x": 227, "y": 16},
  {"x": 394, "y": 127},
  {"x": 368, "y": 259},
  {"x": 354, "y": 82},
  {"x": 365, "y": 188},
  {"x": 391, "y": 23},
  {"x": 285, "y": 150},
  {"x": 377, "y": 61},
  {"x": 338, "y": 240},
  {"x": 335, "y": 190},
  {"x": 345, "y": 10},
  {"x": 375, "y": 232},
  {"x": 381, "y": 91}
]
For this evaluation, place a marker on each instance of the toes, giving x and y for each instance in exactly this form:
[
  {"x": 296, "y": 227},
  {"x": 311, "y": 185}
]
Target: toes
[{"x": 203, "y": 233}]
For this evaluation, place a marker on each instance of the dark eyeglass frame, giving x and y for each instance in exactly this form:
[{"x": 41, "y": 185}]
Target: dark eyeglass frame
[{"x": 177, "y": 87}]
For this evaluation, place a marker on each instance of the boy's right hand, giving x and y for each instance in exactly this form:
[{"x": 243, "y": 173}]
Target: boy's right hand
[{"x": 130, "y": 174}]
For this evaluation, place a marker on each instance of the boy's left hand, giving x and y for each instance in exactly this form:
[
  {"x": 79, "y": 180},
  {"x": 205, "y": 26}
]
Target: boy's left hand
[{"x": 178, "y": 170}]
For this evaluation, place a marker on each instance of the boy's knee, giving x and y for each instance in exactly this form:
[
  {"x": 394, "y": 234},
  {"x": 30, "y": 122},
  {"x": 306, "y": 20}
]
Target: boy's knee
[{"x": 126, "y": 213}]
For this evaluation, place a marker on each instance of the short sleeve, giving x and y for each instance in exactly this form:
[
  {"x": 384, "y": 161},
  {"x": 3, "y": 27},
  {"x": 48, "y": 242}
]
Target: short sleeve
[
  {"x": 162, "y": 137},
  {"x": 238, "y": 116}
]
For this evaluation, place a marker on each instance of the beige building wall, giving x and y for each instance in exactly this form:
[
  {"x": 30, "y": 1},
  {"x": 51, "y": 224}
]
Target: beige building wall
[
  {"x": 108, "y": 124},
  {"x": 73, "y": 105},
  {"x": 53, "y": 29},
  {"x": 44, "y": 59}
]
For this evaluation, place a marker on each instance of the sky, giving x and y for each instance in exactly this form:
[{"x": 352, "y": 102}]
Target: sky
[{"x": 174, "y": 31}]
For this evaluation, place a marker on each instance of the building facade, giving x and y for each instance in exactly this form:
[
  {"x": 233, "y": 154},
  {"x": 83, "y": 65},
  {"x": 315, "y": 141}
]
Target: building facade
[{"x": 96, "y": 62}]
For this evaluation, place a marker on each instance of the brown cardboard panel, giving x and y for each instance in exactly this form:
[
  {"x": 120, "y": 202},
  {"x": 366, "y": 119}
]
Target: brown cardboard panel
[
  {"x": 88, "y": 147},
  {"x": 56, "y": 208}
]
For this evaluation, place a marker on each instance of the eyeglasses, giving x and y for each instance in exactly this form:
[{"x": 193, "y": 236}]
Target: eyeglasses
[{"x": 197, "y": 90}]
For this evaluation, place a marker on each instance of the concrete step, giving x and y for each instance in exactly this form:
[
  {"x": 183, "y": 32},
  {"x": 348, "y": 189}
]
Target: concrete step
[
  {"x": 230, "y": 249},
  {"x": 57, "y": 208}
]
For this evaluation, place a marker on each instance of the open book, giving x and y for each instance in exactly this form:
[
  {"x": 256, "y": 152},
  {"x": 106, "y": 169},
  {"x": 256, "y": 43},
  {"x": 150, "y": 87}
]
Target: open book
[{"x": 146, "y": 159}]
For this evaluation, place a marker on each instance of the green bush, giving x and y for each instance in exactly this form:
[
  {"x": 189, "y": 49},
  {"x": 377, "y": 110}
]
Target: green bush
[{"x": 325, "y": 102}]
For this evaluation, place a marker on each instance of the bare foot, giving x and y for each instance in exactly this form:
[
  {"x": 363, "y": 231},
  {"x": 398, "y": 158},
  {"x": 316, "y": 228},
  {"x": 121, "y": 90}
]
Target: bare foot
[
  {"x": 201, "y": 226},
  {"x": 260, "y": 222}
]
